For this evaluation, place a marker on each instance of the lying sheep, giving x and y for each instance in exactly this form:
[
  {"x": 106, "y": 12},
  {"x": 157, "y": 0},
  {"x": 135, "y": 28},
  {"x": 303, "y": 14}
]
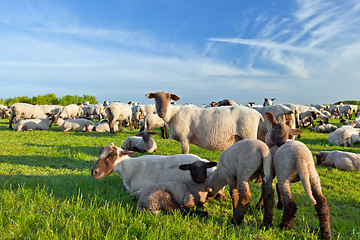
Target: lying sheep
[
  {"x": 25, "y": 110},
  {"x": 34, "y": 124},
  {"x": 104, "y": 126},
  {"x": 142, "y": 142},
  {"x": 152, "y": 121},
  {"x": 293, "y": 161},
  {"x": 175, "y": 195},
  {"x": 77, "y": 125},
  {"x": 324, "y": 128},
  {"x": 141, "y": 172},
  {"x": 346, "y": 161},
  {"x": 344, "y": 136},
  {"x": 237, "y": 165},
  {"x": 209, "y": 128}
]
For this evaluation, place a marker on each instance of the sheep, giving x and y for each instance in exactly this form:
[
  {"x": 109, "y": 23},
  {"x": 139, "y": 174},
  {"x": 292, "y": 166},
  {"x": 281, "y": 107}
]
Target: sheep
[
  {"x": 76, "y": 125},
  {"x": 117, "y": 111},
  {"x": 152, "y": 121},
  {"x": 268, "y": 101},
  {"x": 141, "y": 172},
  {"x": 345, "y": 111},
  {"x": 53, "y": 109},
  {"x": 25, "y": 110},
  {"x": 281, "y": 112},
  {"x": 253, "y": 105},
  {"x": 293, "y": 162},
  {"x": 142, "y": 142},
  {"x": 209, "y": 128},
  {"x": 94, "y": 110},
  {"x": 346, "y": 161},
  {"x": 71, "y": 111},
  {"x": 104, "y": 126},
  {"x": 138, "y": 113},
  {"x": 334, "y": 109},
  {"x": 237, "y": 165},
  {"x": 344, "y": 136},
  {"x": 34, "y": 124},
  {"x": 4, "y": 111},
  {"x": 178, "y": 195},
  {"x": 227, "y": 102},
  {"x": 150, "y": 108},
  {"x": 324, "y": 128}
]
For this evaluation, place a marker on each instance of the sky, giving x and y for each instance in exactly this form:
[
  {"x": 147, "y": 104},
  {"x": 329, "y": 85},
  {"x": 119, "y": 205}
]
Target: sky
[{"x": 297, "y": 51}]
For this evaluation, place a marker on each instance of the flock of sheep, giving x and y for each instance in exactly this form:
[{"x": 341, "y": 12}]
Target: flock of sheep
[{"x": 257, "y": 142}]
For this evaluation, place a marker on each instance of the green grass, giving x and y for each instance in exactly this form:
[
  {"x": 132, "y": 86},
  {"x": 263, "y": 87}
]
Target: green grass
[{"x": 46, "y": 192}]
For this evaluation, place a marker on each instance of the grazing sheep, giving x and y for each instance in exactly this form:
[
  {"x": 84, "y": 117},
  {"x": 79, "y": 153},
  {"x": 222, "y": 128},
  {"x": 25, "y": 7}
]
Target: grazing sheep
[
  {"x": 141, "y": 172},
  {"x": 77, "y": 125},
  {"x": 346, "y": 135},
  {"x": 346, "y": 161},
  {"x": 345, "y": 111},
  {"x": 25, "y": 110},
  {"x": 117, "y": 111},
  {"x": 34, "y": 124},
  {"x": 152, "y": 121},
  {"x": 334, "y": 109},
  {"x": 293, "y": 162},
  {"x": 175, "y": 195},
  {"x": 239, "y": 164},
  {"x": 104, "y": 126},
  {"x": 209, "y": 128},
  {"x": 142, "y": 142},
  {"x": 268, "y": 101},
  {"x": 71, "y": 111}
]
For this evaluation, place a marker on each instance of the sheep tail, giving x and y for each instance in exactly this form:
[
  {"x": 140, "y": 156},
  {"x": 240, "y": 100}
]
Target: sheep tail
[{"x": 303, "y": 171}]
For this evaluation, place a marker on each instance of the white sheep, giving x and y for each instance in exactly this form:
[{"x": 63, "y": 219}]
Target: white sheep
[
  {"x": 104, "y": 126},
  {"x": 346, "y": 135},
  {"x": 237, "y": 165},
  {"x": 345, "y": 111},
  {"x": 25, "y": 110},
  {"x": 77, "y": 125},
  {"x": 117, "y": 111},
  {"x": 210, "y": 128},
  {"x": 346, "y": 161},
  {"x": 152, "y": 121},
  {"x": 142, "y": 142},
  {"x": 178, "y": 195},
  {"x": 144, "y": 171},
  {"x": 71, "y": 111},
  {"x": 268, "y": 101},
  {"x": 94, "y": 111},
  {"x": 34, "y": 124},
  {"x": 324, "y": 128},
  {"x": 293, "y": 162},
  {"x": 138, "y": 113},
  {"x": 53, "y": 109}
]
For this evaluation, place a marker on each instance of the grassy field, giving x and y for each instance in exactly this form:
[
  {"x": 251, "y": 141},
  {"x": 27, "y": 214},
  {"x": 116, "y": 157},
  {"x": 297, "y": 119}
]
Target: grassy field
[{"x": 47, "y": 192}]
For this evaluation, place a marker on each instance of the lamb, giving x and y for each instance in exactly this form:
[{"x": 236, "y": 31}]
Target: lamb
[
  {"x": 25, "y": 110},
  {"x": 94, "y": 110},
  {"x": 142, "y": 142},
  {"x": 324, "y": 128},
  {"x": 344, "y": 136},
  {"x": 104, "y": 126},
  {"x": 117, "y": 111},
  {"x": 52, "y": 109},
  {"x": 141, "y": 172},
  {"x": 346, "y": 161},
  {"x": 237, "y": 165},
  {"x": 138, "y": 113},
  {"x": 268, "y": 101},
  {"x": 76, "y": 125},
  {"x": 293, "y": 161},
  {"x": 209, "y": 128},
  {"x": 71, "y": 111},
  {"x": 152, "y": 121},
  {"x": 178, "y": 195},
  {"x": 34, "y": 124}
]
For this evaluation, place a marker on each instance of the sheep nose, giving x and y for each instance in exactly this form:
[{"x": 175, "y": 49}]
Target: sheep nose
[{"x": 94, "y": 172}]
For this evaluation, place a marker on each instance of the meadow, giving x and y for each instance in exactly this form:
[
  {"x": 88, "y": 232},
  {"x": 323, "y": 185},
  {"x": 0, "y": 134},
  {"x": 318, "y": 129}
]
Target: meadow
[{"x": 47, "y": 192}]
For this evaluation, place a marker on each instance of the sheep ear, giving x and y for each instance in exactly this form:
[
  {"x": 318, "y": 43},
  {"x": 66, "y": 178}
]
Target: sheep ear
[
  {"x": 271, "y": 118},
  {"x": 273, "y": 99},
  {"x": 211, "y": 164},
  {"x": 152, "y": 133},
  {"x": 127, "y": 152},
  {"x": 184, "y": 167},
  {"x": 295, "y": 132},
  {"x": 150, "y": 95},
  {"x": 139, "y": 134},
  {"x": 174, "y": 97}
]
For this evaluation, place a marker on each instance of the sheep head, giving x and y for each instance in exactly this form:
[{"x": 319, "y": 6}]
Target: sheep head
[
  {"x": 198, "y": 170},
  {"x": 320, "y": 157},
  {"x": 146, "y": 135},
  {"x": 162, "y": 101},
  {"x": 109, "y": 157},
  {"x": 280, "y": 132}
]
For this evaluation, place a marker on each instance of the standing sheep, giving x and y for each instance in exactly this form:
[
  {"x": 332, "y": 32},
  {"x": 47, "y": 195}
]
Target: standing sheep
[
  {"x": 239, "y": 164},
  {"x": 117, "y": 111},
  {"x": 152, "y": 121},
  {"x": 25, "y": 110},
  {"x": 71, "y": 111},
  {"x": 209, "y": 128},
  {"x": 293, "y": 161},
  {"x": 346, "y": 161},
  {"x": 142, "y": 142}
]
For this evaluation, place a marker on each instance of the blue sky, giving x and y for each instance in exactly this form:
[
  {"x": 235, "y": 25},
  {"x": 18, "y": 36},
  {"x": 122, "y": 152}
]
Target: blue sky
[{"x": 304, "y": 51}]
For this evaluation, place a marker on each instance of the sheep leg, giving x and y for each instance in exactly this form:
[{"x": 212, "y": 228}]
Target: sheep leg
[
  {"x": 162, "y": 132},
  {"x": 129, "y": 119},
  {"x": 268, "y": 196},
  {"x": 279, "y": 204},
  {"x": 323, "y": 213},
  {"x": 242, "y": 196},
  {"x": 185, "y": 146},
  {"x": 166, "y": 130},
  {"x": 288, "y": 218}
]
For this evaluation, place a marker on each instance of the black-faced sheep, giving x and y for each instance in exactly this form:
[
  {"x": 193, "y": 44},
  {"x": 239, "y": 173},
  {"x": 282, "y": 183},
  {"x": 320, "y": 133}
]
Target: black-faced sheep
[
  {"x": 142, "y": 142},
  {"x": 209, "y": 128}
]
